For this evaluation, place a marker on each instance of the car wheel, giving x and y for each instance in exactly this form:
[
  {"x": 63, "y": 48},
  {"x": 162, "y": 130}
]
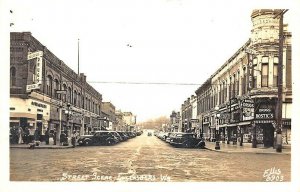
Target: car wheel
[
  {"x": 109, "y": 142},
  {"x": 86, "y": 143},
  {"x": 187, "y": 145}
]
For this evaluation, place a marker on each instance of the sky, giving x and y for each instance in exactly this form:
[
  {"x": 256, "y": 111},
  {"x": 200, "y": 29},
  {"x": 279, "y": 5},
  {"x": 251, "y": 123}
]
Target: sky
[{"x": 122, "y": 43}]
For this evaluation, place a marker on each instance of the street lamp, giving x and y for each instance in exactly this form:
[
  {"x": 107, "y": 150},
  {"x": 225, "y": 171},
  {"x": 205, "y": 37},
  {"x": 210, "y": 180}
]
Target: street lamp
[
  {"x": 217, "y": 147},
  {"x": 254, "y": 142},
  {"x": 68, "y": 116}
]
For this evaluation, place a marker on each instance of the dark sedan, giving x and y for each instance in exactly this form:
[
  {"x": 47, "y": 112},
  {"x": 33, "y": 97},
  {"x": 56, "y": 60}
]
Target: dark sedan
[
  {"x": 98, "y": 138},
  {"x": 187, "y": 140}
]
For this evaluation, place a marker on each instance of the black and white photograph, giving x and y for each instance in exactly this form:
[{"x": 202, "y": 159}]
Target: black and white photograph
[{"x": 150, "y": 95}]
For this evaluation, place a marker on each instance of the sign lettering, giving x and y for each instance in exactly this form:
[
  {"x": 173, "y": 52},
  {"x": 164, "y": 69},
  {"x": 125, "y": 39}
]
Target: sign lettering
[{"x": 34, "y": 55}]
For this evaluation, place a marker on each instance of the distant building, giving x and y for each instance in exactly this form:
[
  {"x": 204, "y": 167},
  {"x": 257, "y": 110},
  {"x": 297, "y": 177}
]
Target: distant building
[
  {"x": 130, "y": 120},
  {"x": 109, "y": 109}
]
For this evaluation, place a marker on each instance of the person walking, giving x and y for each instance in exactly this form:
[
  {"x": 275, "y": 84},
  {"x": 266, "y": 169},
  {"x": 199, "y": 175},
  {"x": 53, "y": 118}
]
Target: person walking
[
  {"x": 47, "y": 136},
  {"x": 20, "y": 134},
  {"x": 62, "y": 138},
  {"x": 26, "y": 135},
  {"x": 73, "y": 139},
  {"x": 54, "y": 136}
]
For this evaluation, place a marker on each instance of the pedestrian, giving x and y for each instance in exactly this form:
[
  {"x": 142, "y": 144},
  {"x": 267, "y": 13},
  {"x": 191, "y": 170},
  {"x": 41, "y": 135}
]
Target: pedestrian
[
  {"x": 73, "y": 138},
  {"x": 36, "y": 137},
  {"x": 26, "y": 135},
  {"x": 62, "y": 138},
  {"x": 47, "y": 136},
  {"x": 54, "y": 136},
  {"x": 20, "y": 134}
]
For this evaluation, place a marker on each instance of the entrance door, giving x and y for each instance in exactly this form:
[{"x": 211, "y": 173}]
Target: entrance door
[{"x": 268, "y": 132}]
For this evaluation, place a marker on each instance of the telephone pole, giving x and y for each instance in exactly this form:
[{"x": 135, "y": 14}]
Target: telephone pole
[{"x": 280, "y": 74}]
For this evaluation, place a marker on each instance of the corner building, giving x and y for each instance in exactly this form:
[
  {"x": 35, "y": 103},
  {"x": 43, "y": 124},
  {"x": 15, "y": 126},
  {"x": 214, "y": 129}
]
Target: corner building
[
  {"x": 48, "y": 94},
  {"x": 239, "y": 100}
]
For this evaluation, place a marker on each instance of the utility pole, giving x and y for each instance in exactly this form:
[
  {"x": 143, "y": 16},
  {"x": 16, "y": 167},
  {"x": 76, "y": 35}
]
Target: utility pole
[
  {"x": 78, "y": 56},
  {"x": 279, "y": 101}
]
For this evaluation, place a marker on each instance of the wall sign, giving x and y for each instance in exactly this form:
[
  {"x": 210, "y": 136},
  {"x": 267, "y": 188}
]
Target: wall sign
[{"x": 38, "y": 55}]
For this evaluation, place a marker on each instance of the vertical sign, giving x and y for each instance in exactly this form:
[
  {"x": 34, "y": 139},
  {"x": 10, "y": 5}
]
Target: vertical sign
[
  {"x": 38, "y": 70},
  {"x": 250, "y": 71}
]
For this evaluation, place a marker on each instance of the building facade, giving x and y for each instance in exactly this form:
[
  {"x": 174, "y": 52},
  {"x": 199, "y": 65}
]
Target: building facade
[
  {"x": 239, "y": 101},
  {"x": 175, "y": 120},
  {"x": 46, "y": 93},
  {"x": 109, "y": 109}
]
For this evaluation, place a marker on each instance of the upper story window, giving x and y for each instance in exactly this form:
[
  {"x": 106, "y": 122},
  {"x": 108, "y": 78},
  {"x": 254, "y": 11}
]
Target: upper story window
[
  {"x": 13, "y": 76},
  {"x": 275, "y": 72},
  {"x": 49, "y": 85},
  {"x": 265, "y": 72},
  {"x": 69, "y": 95},
  {"x": 56, "y": 87}
]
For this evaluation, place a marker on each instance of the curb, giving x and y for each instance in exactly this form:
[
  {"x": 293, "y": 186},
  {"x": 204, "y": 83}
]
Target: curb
[
  {"x": 255, "y": 152},
  {"x": 27, "y": 147}
]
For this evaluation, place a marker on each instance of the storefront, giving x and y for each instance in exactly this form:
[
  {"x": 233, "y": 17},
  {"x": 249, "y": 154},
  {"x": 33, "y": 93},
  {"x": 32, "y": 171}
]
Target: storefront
[{"x": 264, "y": 119}]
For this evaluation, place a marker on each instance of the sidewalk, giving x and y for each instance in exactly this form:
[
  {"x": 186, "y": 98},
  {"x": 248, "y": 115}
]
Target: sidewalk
[
  {"x": 246, "y": 148},
  {"x": 41, "y": 146}
]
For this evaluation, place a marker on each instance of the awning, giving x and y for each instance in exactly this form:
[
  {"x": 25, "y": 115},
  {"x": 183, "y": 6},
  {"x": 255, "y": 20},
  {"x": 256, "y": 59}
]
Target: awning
[
  {"x": 245, "y": 123},
  {"x": 24, "y": 115}
]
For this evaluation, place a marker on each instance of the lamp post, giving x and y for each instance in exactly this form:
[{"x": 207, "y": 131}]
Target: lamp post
[
  {"x": 217, "y": 147},
  {"x": 254, "y": 141}
]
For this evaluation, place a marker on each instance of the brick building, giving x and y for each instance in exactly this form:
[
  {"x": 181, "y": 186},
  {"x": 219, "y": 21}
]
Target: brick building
[
  {"x": 239, "y": 100},
  {"x": 46, "y": 93}
]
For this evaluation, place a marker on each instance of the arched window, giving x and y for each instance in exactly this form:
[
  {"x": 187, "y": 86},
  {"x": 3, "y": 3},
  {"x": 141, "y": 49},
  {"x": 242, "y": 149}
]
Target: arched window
[
  {"x": 69, "y": 95},
  {"x": 64, "y": 96},
  {"x": 49, "y": 85},
  {"x": 56, "y": 87},
  {"x": 78, "y": 99},
  {"x": 75, "y": 97},
  {"x": 13, "y": 76}
]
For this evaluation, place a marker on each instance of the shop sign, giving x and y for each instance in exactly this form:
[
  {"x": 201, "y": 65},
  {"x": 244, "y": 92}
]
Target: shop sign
[
  {"x": 37, "y": 104},
  {"x": 34, "y": 55},
  {"x": 32, "y": 87},
  {"x": 264, "y": 109},
  {"x": 264, "y": 114},
  {"x": 38, "y": 70},
  {"x": 247, "y": 109},
  {"x": 195, "y": 120},
  {"x": 286, "y": 122}
]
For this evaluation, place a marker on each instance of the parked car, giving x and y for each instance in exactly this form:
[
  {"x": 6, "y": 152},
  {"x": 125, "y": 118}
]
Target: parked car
[
  {"x": 149, "y": 133},
  {"x": 98, "y": 138},
  {"x": 187, "y": 140},
  {"x": 123, "y": 135}
]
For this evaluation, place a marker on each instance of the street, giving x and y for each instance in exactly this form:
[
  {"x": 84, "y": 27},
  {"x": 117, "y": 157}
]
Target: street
[{"x": 144, "y": 158}]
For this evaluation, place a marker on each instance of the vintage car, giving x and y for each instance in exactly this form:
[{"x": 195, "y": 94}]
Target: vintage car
[
  {"x": 187, "y": 140},
  {"x": 99, "y": 138}
]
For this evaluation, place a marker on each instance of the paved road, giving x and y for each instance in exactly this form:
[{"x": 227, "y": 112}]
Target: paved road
[{"x": 144, "y": 158}]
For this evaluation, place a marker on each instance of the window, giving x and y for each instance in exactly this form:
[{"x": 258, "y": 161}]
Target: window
[
  {"x": 56, "y": 87},
  {"x": 234, "y": 86},
  {"x": 49, "y": 85},
  {"x": 75, "y": 98},
  {"x": 244, "y": 82},
  {"x": 238, "y": 84},
  {"x": 69, "y": 95},
  {"x": 64, "y": 97},
  {"x": 275, "y": 72},
  {"x": 264, "y": 75},
  {"x": 12, "y": 76},
  {"x": 275, "y": 75}
]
